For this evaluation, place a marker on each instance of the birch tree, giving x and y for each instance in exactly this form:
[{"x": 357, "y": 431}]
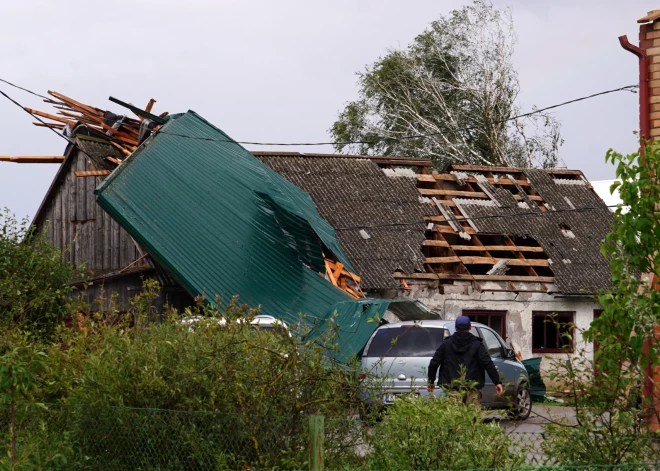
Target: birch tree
[{"x": 449, "y": 96}]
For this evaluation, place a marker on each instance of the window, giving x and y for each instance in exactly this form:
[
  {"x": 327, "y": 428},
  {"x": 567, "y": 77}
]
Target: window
[
  {"x": 550, "y": 330},
  {"x": 405, "y": 341},
  {"x": 493, "y": 345},
  {"x": 496, "y": 320}
]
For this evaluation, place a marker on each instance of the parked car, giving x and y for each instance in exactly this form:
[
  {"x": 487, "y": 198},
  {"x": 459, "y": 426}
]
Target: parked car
[
  {"x": 261, "y": 321},
  {"x": 395, "y": 361}
]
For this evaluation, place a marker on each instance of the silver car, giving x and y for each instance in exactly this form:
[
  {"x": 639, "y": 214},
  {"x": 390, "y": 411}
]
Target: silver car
[{"x": 395, "y": 361}]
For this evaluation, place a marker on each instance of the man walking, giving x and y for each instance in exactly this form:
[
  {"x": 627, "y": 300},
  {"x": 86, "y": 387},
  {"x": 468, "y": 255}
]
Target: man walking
[{"x": 463, "y": 351}]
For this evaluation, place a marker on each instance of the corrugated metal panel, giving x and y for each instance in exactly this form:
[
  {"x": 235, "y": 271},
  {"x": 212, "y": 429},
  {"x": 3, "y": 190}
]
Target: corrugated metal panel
[{"x": 205, "y": 211}]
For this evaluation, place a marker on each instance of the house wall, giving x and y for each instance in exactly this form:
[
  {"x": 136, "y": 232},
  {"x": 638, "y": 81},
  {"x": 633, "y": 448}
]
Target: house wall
[{"x": 519, "y": 307}]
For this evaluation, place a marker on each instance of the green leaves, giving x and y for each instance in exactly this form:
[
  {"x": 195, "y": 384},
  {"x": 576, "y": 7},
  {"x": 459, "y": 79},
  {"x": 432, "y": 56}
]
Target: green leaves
[
  {"x": 33, "y": 279},
  {"x": 449, "y": 94}
]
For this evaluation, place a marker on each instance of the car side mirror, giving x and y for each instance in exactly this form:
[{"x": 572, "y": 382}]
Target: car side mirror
[{"x": 510, "y": 354}]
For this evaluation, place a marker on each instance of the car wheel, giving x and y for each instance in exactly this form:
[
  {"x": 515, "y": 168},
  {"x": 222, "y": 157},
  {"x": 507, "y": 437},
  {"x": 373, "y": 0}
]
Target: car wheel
[{"x": 522, "y": 404}]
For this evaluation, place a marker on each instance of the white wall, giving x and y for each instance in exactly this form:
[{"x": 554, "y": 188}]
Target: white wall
[{"x": 518, "y": 307}]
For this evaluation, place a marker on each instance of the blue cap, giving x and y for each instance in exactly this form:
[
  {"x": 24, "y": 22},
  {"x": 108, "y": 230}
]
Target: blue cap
[{"x": 462, "y": 323}]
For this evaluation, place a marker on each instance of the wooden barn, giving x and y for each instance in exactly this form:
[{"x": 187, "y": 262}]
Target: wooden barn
[{"x": 106, "y": 258}]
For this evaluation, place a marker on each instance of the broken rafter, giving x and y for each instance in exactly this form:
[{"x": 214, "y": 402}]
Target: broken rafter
[
  {"x": 123, "y": 133},
  {"x": 488, "y": 261},
  {"x": 93, "y": 173},
  {"x": 33, "y": 159},
  {"x": 468, "y": 194},
  {"x": 449, "y": 177},
  {"x": 461, "y": 276},
  {"x": 339, "y": 276},
  {"x": 50, "y": 125}
]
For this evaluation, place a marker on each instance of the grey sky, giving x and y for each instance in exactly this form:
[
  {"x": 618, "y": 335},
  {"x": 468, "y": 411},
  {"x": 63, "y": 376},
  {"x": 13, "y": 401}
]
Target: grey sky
[{"x": 280, "y": 71}]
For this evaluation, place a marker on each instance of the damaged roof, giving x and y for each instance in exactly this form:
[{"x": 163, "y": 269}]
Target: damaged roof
[
  {"x": 376, "y": 214},
  {"x": 221, "y": 222}
]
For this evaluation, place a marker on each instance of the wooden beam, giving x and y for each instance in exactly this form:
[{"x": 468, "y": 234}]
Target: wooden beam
[
  {"x": 467, "y": 194},
  {"x": 114, "y": 160},
  {"x": 76, "y": 104},
  {"x": 93, "y": 173},
  {"x": 50, "y": 116},
  {"x": 461, "y": 276},
  {"x": 449, "y": 230},
  {"x": 449, "y": 177},
  {"x": 497, "y": 248},
  {"x": 418, "y": 276},
  {"x": 468, "y": 260},
  {"x": 435, "y": 243},
  {"x": 50, "y": 125},
  {"x": 485, "y": 168},
  {"x": 33, "y": 159},
  {"x": 536, "y": 279},
  {"x": 150, "y": 105},
  {"x": 442, "y": 260}
]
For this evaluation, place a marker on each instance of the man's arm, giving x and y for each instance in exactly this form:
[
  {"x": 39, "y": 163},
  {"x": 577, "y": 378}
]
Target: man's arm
[
  {"x": 436, "y": 362},
  {"x": 487, "y": 363}
]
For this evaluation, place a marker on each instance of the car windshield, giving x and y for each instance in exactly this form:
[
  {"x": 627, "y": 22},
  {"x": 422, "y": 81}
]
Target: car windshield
[{"x": 406, "y": 341}]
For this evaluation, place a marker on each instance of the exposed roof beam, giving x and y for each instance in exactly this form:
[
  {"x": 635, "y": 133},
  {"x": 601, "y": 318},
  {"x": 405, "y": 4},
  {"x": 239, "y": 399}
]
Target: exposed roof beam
[{"x": 33, "y": 159}]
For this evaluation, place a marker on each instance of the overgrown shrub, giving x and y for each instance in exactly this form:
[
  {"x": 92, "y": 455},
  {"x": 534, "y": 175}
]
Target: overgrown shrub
[
  {"x": 216, "y": 390},
  {"x": 34, "y": 281},
  {"x": 435, "y": 433}
]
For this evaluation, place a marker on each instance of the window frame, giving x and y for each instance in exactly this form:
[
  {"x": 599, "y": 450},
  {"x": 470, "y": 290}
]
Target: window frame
[
  {"x": 569, "y": 349},
  {"x": 489, "y": 314}
]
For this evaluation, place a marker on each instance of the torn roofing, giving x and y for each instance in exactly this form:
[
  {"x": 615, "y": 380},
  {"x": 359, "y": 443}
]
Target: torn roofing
[
  {"x": 355, "y": 195},
  {"x": 577, "y": 262},
  {"x": 223, "y": 223}
]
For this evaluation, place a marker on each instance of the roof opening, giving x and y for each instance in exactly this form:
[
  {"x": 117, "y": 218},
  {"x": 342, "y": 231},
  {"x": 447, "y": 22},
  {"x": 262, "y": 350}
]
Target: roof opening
[{"x": 568, "y": 233}]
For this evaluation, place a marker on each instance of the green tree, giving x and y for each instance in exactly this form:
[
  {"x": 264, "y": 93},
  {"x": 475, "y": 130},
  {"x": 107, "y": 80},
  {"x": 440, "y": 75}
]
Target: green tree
[
  {"x": 612, "y": 409},
  {"x": 453, "y": 87},
  {"x": 34, "y": 281}
]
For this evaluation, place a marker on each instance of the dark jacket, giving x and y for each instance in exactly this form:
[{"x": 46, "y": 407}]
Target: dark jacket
[{"x": 462, "y": 348}]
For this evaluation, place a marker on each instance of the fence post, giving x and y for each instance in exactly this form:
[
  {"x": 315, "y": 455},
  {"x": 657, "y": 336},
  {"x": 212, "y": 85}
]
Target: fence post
[{"x": 316, "y": 433}]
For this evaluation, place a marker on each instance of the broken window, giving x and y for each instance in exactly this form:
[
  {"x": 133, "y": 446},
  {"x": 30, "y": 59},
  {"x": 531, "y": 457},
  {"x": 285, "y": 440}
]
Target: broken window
[
  {"x": 552, "y": 332},
  {"x": 496, "y": 320}
]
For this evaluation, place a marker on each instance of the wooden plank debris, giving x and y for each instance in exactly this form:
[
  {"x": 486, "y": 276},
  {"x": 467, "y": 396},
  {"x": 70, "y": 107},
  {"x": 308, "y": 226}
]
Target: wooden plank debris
[
  {"x": 33, "y": 159},
  {"x": 93, "y": 173}
]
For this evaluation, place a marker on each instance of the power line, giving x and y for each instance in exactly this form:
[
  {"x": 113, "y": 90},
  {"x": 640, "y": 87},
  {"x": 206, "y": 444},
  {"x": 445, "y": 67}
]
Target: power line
[
  {"x": 370, "y": 141},
  {"x": 402, "y": 138},
  {"x": 37, "y": 118},
  {"x": 497, "y": 216},
  {"x": 24, "y": 89}
]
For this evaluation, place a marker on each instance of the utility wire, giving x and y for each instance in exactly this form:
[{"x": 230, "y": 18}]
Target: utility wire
[
  {"x": 37, "y": 118},
  {"x": 496, "y": 216},
  {"x": 24, "y": 89},
  {"x": 530, "y": 213},
  {"x": 629, "y": 88},
  {"x": 402, "y": 138}
]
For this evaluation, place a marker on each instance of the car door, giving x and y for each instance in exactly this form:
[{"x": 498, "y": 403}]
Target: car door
[{"x": 498, "y": 355}]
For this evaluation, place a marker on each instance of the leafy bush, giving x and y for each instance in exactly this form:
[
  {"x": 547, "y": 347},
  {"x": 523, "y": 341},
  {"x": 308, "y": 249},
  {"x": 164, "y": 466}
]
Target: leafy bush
[
  {"x": 213, "y": 390},
  {"x": 34, "y": 281},
  {"x": 435, "y": 433}
]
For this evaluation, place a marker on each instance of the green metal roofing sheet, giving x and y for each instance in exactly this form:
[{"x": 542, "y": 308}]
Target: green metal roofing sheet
[{"x": 223, "y": 223}]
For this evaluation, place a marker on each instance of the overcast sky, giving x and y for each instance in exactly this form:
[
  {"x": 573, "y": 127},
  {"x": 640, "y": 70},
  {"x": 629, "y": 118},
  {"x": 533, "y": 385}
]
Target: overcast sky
[{"x": 279, "y": 71}]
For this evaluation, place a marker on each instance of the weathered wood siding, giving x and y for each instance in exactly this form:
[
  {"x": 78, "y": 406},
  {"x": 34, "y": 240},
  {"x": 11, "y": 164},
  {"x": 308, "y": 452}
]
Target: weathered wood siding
[{"x": 87, "y": 236}]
